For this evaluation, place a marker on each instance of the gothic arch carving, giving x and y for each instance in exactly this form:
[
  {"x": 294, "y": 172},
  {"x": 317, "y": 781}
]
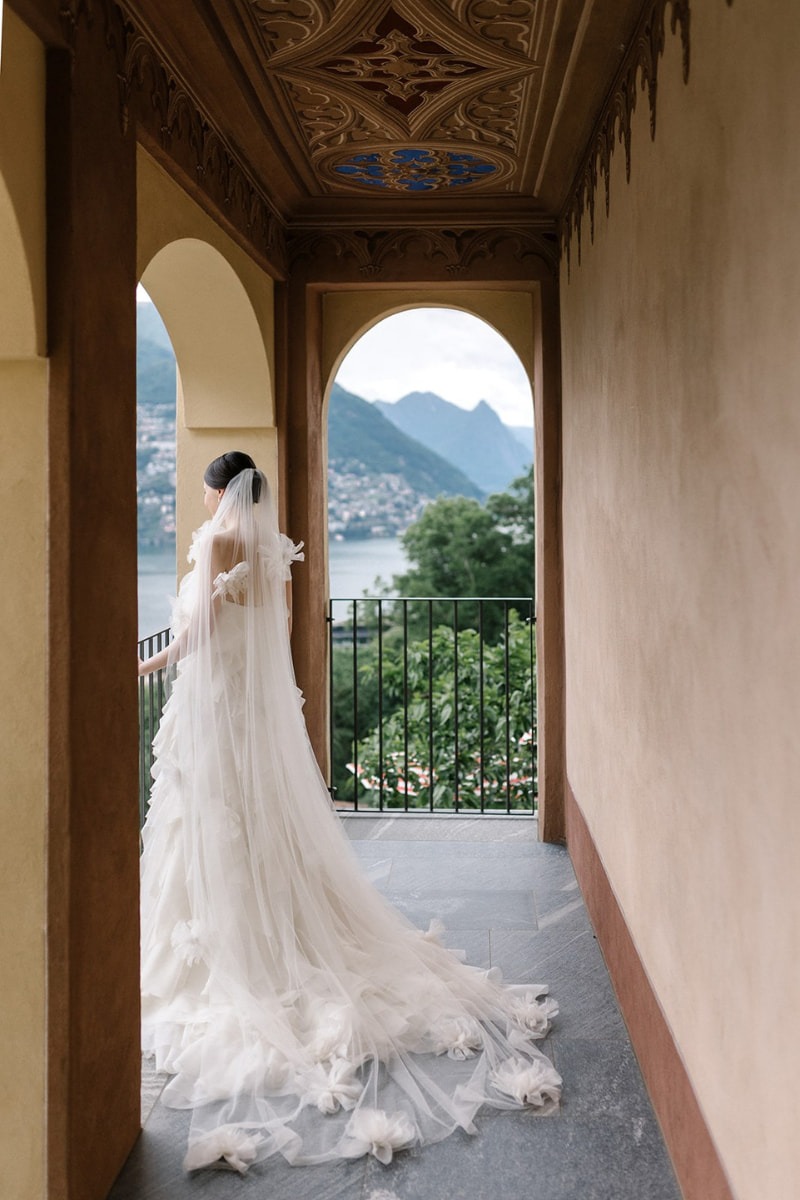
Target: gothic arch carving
[{"x": 430, "y": 253}]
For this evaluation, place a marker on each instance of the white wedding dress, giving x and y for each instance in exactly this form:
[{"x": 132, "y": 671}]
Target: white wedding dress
[{"x": 295, "y": 1011}]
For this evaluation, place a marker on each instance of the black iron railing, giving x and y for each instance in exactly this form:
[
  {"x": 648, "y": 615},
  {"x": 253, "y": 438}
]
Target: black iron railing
[
  {"x": 433, "y": 704},
  {"x": 151, "y": 705}
]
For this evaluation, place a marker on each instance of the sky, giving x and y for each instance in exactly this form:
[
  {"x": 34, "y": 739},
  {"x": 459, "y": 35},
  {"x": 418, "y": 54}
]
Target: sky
[{"x": 441, "y": 350}]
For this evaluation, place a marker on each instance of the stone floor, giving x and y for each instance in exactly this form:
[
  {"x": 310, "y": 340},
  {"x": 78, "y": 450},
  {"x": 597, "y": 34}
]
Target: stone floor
[{"x": 511, "y": 902}]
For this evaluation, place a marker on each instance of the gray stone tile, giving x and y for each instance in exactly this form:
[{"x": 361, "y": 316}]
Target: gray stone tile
[
  {"x": 604, "y": 1080},
  {"x": 467, "y": 909},
  {"x": 474, "y": 943},
  {"x": 477, "y": 870},
  {"x": 576, "y": 976},
  {"x": 443, "y": 828},
  {"x": 447, "y": 852},
  {"x": 378, "y": 870},
  {"x": 154, "y": 1171},
  {"x": 153, "y": 1082},
  {"x": 519, "y": 1156}
]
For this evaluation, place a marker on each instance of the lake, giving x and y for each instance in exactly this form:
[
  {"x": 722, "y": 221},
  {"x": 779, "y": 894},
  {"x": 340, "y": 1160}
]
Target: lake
[{"x": 354, "y": 566}]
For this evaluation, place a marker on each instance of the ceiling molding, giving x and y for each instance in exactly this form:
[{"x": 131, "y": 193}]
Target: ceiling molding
[
  {"x": 425, "y": 255},
  {"x": 153, "y": 95}
]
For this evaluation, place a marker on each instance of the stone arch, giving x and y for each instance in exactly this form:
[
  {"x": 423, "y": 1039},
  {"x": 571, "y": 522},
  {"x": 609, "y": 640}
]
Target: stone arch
[
  {"x": 224, "y": 391},
  {"x": 525, "y": 311}
]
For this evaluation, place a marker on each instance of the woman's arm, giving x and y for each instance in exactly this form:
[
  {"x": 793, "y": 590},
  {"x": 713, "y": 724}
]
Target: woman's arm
[
  {"x": 156, "y": 663},
  {"x": 222, "y": 552}
]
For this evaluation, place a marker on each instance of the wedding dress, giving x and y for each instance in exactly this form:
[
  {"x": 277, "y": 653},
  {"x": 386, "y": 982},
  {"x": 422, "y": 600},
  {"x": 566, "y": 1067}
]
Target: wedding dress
[{"x": 294, "y": 1009}]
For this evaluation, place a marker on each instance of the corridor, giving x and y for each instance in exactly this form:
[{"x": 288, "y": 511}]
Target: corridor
[{"x": 508, "y": 901}]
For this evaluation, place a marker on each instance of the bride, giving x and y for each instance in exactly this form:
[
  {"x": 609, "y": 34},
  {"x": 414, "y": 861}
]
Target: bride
[{"x": 295, "y": 1011}]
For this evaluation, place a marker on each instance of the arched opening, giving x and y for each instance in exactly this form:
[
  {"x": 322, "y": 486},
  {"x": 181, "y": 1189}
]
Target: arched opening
[
  {"x": 156, "y": 391},
  {"x": 224, "y": 381},
  {"x": 205, "y": 386},
  {"x": 444, "y": 378},
  {"x": 432, "y": 491},
  {"x": 23, "y": 607}
]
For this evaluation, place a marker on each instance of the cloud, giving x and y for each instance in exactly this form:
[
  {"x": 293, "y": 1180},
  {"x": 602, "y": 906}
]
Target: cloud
[{"x": 441, "y": 350}]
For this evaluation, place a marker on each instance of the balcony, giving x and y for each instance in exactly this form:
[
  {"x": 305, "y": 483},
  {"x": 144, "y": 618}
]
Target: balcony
[{"x": 510, "y": 901}]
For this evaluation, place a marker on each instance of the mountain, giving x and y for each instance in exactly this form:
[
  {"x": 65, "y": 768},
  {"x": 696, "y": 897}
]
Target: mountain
[
  {"x": 474, "y": 440},
  {"x": 379, "y": 479},
  {"x": 155, "y": 431},
  {"x": 359, "y": 435},
  {"x": 149, "y": 325},
  {"x": 155, "y": 376},
  {"x": 523, "y": 434}
]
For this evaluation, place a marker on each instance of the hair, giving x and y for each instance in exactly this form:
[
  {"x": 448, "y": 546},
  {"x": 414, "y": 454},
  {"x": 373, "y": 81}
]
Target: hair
[{"x": 220, "y": 472}]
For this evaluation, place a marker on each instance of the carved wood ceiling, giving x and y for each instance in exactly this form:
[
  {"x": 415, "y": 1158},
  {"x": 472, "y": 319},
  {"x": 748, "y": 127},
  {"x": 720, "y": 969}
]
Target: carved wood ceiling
[{"x": 345, "y": 107}]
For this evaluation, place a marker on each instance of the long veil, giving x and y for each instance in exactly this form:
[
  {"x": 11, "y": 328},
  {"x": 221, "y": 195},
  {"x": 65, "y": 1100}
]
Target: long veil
[{"x": 294, "y": 1009}]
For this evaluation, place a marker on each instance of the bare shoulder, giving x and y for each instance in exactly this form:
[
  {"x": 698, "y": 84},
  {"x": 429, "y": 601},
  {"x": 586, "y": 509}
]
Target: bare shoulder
[{"x": 224, "y": 551}]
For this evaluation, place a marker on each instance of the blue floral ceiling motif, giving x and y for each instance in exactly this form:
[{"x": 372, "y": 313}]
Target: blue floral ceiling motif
[{"x": 414, "y": 169}]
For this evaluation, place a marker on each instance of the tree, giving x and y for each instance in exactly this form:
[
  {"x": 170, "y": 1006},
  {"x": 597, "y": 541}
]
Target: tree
[{"x": 459, "y": 547}]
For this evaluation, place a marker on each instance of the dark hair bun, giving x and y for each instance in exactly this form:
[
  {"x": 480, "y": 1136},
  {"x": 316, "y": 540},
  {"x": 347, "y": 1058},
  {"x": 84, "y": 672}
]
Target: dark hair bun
[{"x": 222, "y": 470}]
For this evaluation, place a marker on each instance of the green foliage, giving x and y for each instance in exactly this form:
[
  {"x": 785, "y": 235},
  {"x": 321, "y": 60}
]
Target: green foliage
[
  {"x": 432, "y": 701},
  {"x": 459, "y": 547}
]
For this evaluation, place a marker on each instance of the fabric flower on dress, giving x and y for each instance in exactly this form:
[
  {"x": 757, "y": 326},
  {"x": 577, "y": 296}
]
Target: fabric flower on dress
[
  {"x": 532, "y": 1014},
  {"x": 332, "y": 1033},
  {"x": 434, "y": 931},
  {"x": 528, "y": 1082},
  {"x": 278, "y": 556},
  {"x": 229, "y": 1142},
  {"x": 187, "y": 941},
  {"x": 198, "y": 537},
  {"x": 374, "y": 1131},
  {"x": 275, "y": 1070},
  {"x": 232, "y": 583},
  {"x": 334, "y": 1088},
  {"x": 457, "y": 1037}
]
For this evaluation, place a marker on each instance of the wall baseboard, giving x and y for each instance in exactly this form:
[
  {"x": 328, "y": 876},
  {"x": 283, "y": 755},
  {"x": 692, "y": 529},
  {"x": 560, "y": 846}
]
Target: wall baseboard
[{"x": 694, "y": 1157}]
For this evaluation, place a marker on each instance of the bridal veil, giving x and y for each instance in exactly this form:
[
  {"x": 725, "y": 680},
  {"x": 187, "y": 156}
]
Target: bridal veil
[{"x": 295, "y": 1011}]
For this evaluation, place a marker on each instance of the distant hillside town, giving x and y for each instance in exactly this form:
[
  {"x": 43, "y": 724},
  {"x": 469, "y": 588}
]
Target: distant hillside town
[{"x": 385, "y": 461}]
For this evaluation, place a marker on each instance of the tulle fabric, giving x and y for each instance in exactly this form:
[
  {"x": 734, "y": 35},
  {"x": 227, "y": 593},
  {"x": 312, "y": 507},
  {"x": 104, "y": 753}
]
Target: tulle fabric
[{"x": 295, "y": 1011}]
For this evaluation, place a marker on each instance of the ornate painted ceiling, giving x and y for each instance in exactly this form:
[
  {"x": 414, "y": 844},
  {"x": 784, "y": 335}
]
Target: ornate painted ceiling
[
  {"x": 337, "y": 106},
  {"x": 404, "y": 96}
]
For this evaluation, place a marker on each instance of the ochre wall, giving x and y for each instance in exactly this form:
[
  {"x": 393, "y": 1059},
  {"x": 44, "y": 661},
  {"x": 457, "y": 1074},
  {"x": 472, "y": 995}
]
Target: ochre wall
[
  {"x": 681, "y": 443},
  {"x": 218, "y": 306},
  {"x": 23, "y": 613}
]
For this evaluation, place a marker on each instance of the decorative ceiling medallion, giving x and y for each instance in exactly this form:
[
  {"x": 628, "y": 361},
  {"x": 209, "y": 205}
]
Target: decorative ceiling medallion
[
  {"x": 414, "y": 169},
  {"x": 404, "y": 63},
  {"x": 400, "y": 67}
]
